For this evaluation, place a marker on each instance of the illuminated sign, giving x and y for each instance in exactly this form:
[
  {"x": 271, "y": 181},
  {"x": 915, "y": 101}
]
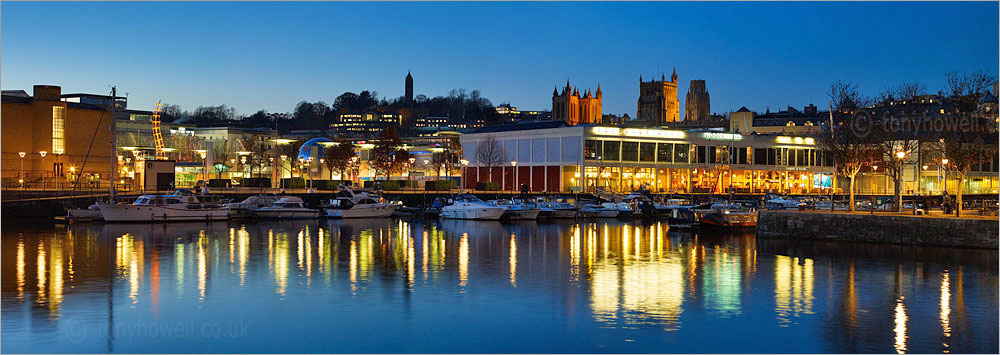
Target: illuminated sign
[
  {"x": 638, "y": 132},
  {"x": 722, "y": 136},
  {"x": 796, "y": 140}
]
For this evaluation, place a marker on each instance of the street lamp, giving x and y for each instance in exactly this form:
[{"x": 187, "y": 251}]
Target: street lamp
[
  {"x": 356, "y": 167},
  {"x": 43, "y": 153},
  {"x": 899, "y": 181},
  {"x": 20, "y": 177},
  {"x": 465, "y": 164},
  {"x": 513, "y": 164},
  {"x": 409, "y": 175},
  {"x": 58, "y": 153},
  {"x": 944, "y": 164}
]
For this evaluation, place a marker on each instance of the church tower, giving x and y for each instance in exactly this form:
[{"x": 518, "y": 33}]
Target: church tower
[
  {"x": 658, "y": 102},
  {"x": 697, "y": 105},
  {"x": 571, "y": 107},
  {"x": 409, "y": 87}
]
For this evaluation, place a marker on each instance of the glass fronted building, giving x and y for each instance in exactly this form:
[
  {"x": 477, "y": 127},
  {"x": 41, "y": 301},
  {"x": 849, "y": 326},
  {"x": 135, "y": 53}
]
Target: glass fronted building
[{"x": 546, "y": 157}]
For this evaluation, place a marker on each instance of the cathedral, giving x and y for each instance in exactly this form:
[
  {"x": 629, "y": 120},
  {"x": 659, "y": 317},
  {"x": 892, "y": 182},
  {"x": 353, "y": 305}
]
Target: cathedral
[
  {"x": 697, "y": 106},
  {"x": 574, "y": 109},
  {"x": 658, "y": 102}
]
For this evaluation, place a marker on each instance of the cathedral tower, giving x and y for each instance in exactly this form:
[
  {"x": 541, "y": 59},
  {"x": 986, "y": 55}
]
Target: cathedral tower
[{"x": 658, "y": 103}]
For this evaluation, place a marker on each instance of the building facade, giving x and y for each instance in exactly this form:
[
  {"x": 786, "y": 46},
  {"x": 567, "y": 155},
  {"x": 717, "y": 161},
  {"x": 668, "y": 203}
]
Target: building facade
[
  {"x": 588, "y": 158},
  {"x": 658, "y": 103},
  {"x": 365, "y": 125},
  {"x": 68, "y": 133},
  {"x": 790, "y": 121},
  {"x": 568, "y": 106},
  {"x": 697, "y": 106}
]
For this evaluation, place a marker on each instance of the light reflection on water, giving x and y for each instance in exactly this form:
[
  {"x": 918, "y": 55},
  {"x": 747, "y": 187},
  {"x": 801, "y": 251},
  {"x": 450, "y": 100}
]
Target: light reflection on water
[{"x": 392, "y": 285}]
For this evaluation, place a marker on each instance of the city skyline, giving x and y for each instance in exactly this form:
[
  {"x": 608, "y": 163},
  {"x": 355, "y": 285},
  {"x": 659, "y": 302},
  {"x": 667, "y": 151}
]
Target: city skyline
[{"x": 271, "y": 56}]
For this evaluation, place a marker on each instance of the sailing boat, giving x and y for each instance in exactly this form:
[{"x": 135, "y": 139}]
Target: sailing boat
[{"x": 93, "y": 212}]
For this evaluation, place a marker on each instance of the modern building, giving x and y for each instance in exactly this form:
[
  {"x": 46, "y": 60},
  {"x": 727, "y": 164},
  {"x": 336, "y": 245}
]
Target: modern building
[
  {"x": 791, "y": 121},
  {"x": 568, "y": 106},
  {"x": 56, "y": 137},
  {"x": 658, "y": 103},
  {"x": 697, "y": 106},
  {"x": 366, "y": 124},
  {"x": 553, "y": 157}
]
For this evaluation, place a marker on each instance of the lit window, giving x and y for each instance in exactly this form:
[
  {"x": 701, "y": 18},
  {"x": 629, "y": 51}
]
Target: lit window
[{"x": 58, "y": 128}]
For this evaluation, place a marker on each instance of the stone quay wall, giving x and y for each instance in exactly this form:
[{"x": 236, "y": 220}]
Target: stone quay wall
[{"x": 879, "y": 228}]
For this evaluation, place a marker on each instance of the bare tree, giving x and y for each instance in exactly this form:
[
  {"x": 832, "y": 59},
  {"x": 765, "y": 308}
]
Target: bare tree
[
  {"x": 966, "y": 88},
  {"x": 887, "y": 144},
  {"x": 490, "y": 153},
  {"x": 846, "y": 96},
  {"x": 910, "y": 90},
  {"x": 962, "y": 152},
  {"x": 850, "y": 153}
]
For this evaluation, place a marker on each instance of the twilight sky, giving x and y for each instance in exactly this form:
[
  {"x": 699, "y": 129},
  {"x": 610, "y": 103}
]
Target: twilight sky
[{"x": 262, "y": 55}]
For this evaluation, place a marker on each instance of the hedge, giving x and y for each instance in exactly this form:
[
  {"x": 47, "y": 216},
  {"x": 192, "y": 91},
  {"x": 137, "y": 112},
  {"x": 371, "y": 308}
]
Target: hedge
[
  {"x": 293, "y": 183},
  {"x": 255, "y": 182},
  {"x": 440, "y": 185},
  {"x": 387, "y": 184},
  {"x": 487, "y": 186},
  {"x": 220, "y": 183}
]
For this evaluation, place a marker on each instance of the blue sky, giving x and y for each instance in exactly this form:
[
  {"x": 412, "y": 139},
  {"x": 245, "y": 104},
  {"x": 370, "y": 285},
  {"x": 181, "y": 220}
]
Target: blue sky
[{"x": 261, "y": 55}]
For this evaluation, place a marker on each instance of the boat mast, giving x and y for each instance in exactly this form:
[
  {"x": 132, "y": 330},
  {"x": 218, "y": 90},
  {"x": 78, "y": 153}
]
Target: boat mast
[{"x": 114, "y": 150}]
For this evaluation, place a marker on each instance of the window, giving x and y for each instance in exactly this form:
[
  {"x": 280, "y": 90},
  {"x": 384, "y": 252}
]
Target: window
[
  {"x": 612, "y": 150},
  {"x": 681, "y": 153},
  {"x": 591, "y": 149},
  {"x": 772, "y": 156},
  {"x": 630, "y": 151},
  {"x": 742, "y": 155},
  {"x": 760, "y": 156},
  {"x": 713, "y": 152},
  {"x": 700, "y": 151},
  {"x": 58, "y": 129},
  {"x": 647, "y": 152},
  {"x": 665, "y": 152}
]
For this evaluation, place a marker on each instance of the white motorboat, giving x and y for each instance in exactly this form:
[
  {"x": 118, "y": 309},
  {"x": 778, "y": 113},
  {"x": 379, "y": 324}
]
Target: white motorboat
[
  {"x": 352, "y": 204},
  {"x": 89, "y": 214},
  {"x": 624, "y": 209},
  {"x": 782, "y": 203},
  {"x": 557, "y": 209},
  {"x": 245, "y": 208},
  {"x": 288, "y": 207},
  {"x": 471, "y": 207},
  {"x": 517, "y": 210},
  {"x": 182, "y": 205},
  {"x": 600, "y": 211}
]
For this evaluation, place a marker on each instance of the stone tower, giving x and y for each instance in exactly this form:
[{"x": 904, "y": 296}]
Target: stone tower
[
  {"x": 697, "y": 105},
  {"x": 409, "y": 87},
  {"x": 658, "y": 103},
  {"x": 572, "y": 108}
]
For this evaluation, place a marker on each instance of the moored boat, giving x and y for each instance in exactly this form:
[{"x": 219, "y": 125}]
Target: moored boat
[
  {"x": 727, "y": 216},
  {"x": 471, "y": 207},
  {"x": 288, "y": 207},
  {"x": 352, "y": 204},
  {"x": 182, "y": 205}
]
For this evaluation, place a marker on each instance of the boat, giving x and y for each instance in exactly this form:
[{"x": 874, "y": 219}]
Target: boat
[
  {"x": 351, "y": 204},
  {"x": 641, "y": 203},
  {"x": 556, "y": 208},
  {"x": 783, "y": 203},
  {"x": 181, "y": 205},
  {"x": 727, "y": 216},
  {"x": 245, "y": 208},
  {"x": 624, "y": 209},
  {"x": 471, "y": 207},
  {"x": 287, "y": 207},
  {"x": 600, "y": 211},
  {"x": 90, "y": 214},
  {"x": 517, "y": 210}
]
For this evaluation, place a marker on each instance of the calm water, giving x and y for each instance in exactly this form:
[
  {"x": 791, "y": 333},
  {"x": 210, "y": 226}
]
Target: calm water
[{"x": 392, "y": 285}]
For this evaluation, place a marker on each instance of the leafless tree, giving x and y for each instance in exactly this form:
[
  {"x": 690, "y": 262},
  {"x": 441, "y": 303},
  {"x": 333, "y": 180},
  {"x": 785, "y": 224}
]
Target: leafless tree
[
  {"x": 886, "y": 145},
  {"x": 490, "y": 153},
  {"x": 962, "y": 152},
  {"x": 846, "y": 96},
  {"x": 850, "y": 153}
]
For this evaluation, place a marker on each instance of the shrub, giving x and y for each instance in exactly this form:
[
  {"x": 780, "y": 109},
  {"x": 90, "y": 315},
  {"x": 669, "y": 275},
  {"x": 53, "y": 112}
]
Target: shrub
[
  {"x": 487, "y": 186},
  {"x": 293, "y": 183},
  {"x": 255, "y": 182},
  {"x": 219, "y": 183},
  {"x": 440, "y": 185}
]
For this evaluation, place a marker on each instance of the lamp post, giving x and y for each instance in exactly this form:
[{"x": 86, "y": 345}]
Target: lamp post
[
  {"x": 899, "y": 181},
  {"x": 281, "y": 181},
  {"x": 20, "y": 176},
  {"x": 425, "y": 184},
  {"x": 204, "y": 167},
  {"x": 513, "y": 165},
  {"x": 43, "y": 153},
  {"x": 409, "y": 175},
  {"x": 309, "y": 172},
  {"x": 355, "y": 167},
  {"x": 58, "y": 167},
  {"x": 944, "y": 164},
  {"x": 465, "y": 164}
]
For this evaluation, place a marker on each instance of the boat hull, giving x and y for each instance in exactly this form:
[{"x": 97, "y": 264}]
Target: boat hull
[
  {"x": 287, "y": 214},
  {"x": 134, "y": 213},
  {"x": 473, "y": 213},
  {"x": 529, "y": 214},
  {"x": 369, "y": 212},
  {"x": 728, "y": 221}
]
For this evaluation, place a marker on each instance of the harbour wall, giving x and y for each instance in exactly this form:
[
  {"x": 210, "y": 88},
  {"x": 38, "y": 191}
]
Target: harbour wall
[{"x": 879, "y": 228}]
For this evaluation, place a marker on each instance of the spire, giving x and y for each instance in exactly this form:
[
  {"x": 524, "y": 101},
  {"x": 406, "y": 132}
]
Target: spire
[
  {"x": 673, "y": 77},
  {"x": 555, "y": 91},
  {"x": 640, "y": 78}
]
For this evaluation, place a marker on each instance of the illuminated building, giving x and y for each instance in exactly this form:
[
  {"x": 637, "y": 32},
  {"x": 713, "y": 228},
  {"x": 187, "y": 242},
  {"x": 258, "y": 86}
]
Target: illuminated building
[
  {"x": 550, "y": 156},
  {"x": 365, "y": 125},
  {"x": 568, "y": 106},
  {"x": 791, "y": 121},
  {"x": 697, "y": 106},
  {"x": 658, "y": 102}
]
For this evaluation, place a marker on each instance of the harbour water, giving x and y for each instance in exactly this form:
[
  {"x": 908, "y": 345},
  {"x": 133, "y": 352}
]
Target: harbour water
[{"x": 394, "y": 285}]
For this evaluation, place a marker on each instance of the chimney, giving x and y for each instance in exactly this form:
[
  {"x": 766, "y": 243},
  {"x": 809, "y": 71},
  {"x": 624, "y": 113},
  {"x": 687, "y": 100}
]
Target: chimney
[{"x": 47, "y": 92}]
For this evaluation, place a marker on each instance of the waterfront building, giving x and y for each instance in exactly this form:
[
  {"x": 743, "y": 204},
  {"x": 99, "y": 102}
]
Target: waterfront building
[
  {"x": 553, "y": 157},
  {"x": 65, "y": 130},
  {"x": 570, "y": 107},
  {"x": 658, "y": 103},
  {"x": 697, "y": 106},
  {"x": 791, "y": 121},
  {"x": 364, "y": 124}
]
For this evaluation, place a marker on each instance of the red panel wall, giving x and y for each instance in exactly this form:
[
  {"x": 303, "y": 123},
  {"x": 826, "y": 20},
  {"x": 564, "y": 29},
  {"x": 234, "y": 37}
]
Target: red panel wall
[
  {"x": 471, "y": 176},
  {"x": 523, "y": 177},
  {"x": 537, "y": 178},
  {"x": 508, "y": 178},
  {"x": 552, "y": 181},
  {"x": 497, "y": 175}
]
